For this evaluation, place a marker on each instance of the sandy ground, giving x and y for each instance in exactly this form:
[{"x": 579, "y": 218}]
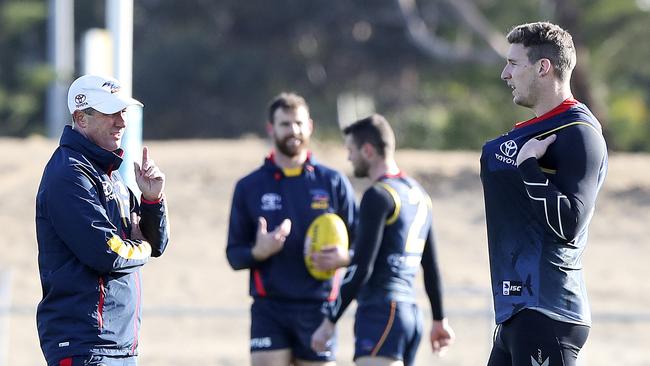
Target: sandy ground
[{"x": 196, "y": 307}]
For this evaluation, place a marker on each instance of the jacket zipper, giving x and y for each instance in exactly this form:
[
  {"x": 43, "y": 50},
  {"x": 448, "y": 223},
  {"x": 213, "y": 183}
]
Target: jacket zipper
[
  {"x": 100, "y": 306},
  {"x": 137, "y": 311}
]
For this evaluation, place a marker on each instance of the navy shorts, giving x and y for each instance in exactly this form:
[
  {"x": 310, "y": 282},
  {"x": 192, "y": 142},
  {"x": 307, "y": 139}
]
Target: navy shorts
[
  {"x": 392, "y": 329},
  {"x": 277, "y": 324},
  {"x": 98, "y": 361},
  {"x": 530, "y": 337}
]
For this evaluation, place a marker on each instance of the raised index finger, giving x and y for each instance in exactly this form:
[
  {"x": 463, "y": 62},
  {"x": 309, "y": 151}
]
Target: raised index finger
[{"x": 145, "y": 155}]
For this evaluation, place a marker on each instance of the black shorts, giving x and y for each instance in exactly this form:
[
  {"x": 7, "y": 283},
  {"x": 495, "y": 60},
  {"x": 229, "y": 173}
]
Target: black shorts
[
  {"x": 279, "y": 324},
  {"x": 532, "y": 338},
  {"x": 392, "y": 329}
]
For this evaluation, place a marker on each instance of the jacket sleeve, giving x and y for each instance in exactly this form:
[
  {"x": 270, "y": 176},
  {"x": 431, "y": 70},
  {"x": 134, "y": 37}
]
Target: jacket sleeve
[
  {"x": 81, "y": 221},
  {"x": 376, "y": 205},
  {"x": 241, "y": 232},
  {"x": 154, "y": 224},
  {"x": 564, "y": 203}
]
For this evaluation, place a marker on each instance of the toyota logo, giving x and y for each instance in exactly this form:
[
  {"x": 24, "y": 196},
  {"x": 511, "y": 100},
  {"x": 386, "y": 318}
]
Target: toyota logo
[
  {"x": 509, "y": 148},
  {"x": 80, "y": 98}
]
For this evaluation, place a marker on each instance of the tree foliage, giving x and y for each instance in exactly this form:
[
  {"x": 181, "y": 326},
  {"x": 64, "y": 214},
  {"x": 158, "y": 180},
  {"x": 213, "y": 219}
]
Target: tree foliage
[
  {"x": 208, "y": 68},
  {"x": 24, "y": 76}
]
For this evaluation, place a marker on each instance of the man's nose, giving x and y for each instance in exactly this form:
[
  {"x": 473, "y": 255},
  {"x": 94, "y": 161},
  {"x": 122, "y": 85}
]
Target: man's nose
[
  {"x": 120, "y": 119},
  {"x": 505, "y": 74}
]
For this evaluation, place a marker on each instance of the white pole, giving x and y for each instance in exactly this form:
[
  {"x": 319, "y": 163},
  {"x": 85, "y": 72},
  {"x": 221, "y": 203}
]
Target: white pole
[
  {"x": 60, "y": 40},
  {"x": 95, "y": 45},
  {"x": 119, "y": 21}
]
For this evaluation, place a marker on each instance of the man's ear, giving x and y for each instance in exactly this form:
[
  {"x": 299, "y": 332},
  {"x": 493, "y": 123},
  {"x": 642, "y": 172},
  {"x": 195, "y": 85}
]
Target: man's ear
[
  {"x": 79, "y": 118},
  {"x": 368, "y": 151},
  {"x": 269, "y": 128},
  {"x": 545, "y": 67}
]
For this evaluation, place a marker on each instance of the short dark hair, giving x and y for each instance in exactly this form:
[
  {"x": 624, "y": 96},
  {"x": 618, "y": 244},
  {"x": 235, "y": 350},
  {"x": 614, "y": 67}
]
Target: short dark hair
[
  {"x": 546, "y": 40},
  {"x": 374, "y": 130},
  {"x": 286, "y": 101},
  {"x": 89, "y": 111}
]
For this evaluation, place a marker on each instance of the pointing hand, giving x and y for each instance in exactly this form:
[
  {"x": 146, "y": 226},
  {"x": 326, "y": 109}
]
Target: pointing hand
[{"x": 150, "y": 180}]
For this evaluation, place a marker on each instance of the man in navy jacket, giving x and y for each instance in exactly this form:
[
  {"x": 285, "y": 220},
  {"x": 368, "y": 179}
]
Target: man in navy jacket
[
  {"x": 272, "y": 208},
  {"x": 93, "y": 235}
]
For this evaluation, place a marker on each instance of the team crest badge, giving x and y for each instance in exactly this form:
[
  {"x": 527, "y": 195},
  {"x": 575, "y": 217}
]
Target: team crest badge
[{"x": 320, "y": 200}]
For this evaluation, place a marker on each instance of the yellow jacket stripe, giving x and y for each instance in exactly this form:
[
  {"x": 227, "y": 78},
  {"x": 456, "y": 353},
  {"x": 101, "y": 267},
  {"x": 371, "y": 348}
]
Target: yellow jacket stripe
[{"x": 128, "y": 250}]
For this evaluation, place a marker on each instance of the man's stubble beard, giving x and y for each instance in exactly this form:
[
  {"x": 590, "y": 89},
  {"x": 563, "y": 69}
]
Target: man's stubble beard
[
  {"x": 361, "y": 169},
  {"x": 290, "y": 151}
]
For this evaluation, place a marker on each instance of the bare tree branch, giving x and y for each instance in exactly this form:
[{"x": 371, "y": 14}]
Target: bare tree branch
[
  {"x": 481, "y": 26},
  {"x": 438, "y": 48}
]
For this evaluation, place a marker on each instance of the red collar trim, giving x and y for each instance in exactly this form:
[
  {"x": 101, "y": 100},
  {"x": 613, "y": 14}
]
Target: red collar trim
[
  {"x": 399, "y": 174},
  {"x": 271, "y": 157},
  {"x": 563, "y": 107}
]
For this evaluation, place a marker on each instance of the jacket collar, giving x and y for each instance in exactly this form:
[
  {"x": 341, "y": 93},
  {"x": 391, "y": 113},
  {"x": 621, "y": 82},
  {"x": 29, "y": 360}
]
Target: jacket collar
[
  {"x": 106, "y": 160},
  {"x": 269, "y": 164},
  {"x": 563, "y": 107}
]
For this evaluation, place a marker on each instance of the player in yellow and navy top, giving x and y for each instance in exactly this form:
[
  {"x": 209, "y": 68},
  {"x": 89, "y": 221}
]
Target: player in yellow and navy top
[
  {"x": 540, "y": 184},
  {"x": 272, "y": 208},
  {"x": 394, "y": 238}
]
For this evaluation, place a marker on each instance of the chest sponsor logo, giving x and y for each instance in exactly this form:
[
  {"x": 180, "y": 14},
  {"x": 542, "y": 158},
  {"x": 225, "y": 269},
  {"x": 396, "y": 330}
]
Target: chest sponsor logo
[
  {"x": 320, "y": 200},
  {"x": 512, "y": 288},
  {"x": 271, "y": 202},
  {"x": 116, "y": 191},
  {"x": 508, "y": 150},
  {"x": 107, "y": 187}
]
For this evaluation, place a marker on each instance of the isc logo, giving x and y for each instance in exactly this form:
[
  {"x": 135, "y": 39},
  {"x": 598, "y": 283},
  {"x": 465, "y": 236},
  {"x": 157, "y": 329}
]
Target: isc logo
[{"x": 512, "y": 288}]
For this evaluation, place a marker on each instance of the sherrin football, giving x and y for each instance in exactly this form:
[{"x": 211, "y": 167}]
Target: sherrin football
[{"x": 325, "y": 231}]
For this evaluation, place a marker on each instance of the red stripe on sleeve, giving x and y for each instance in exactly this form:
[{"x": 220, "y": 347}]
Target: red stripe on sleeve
[{"x": 143, "y": 200}]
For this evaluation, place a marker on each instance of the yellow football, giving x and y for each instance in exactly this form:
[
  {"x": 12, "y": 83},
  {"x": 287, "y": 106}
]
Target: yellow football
[{"x": 325, "y": 231}]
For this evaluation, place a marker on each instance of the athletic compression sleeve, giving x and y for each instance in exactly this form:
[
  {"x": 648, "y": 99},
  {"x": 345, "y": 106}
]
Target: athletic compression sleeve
[
  {"x": 432, "y": 283},
  {"x": 376, "y": 205},
  {"x": 565, "y": 200}
]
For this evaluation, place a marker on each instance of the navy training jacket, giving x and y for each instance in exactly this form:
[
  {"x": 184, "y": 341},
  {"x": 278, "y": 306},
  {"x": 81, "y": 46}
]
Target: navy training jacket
[
  {"x": 269, "y": 193},
  {"x": 89, "y": 267}
]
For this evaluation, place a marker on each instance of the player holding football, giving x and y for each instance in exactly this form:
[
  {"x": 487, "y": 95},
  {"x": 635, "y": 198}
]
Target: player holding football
[
  {"x": 272, "y": 208},
  {"x": 393, "y": 239}
]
